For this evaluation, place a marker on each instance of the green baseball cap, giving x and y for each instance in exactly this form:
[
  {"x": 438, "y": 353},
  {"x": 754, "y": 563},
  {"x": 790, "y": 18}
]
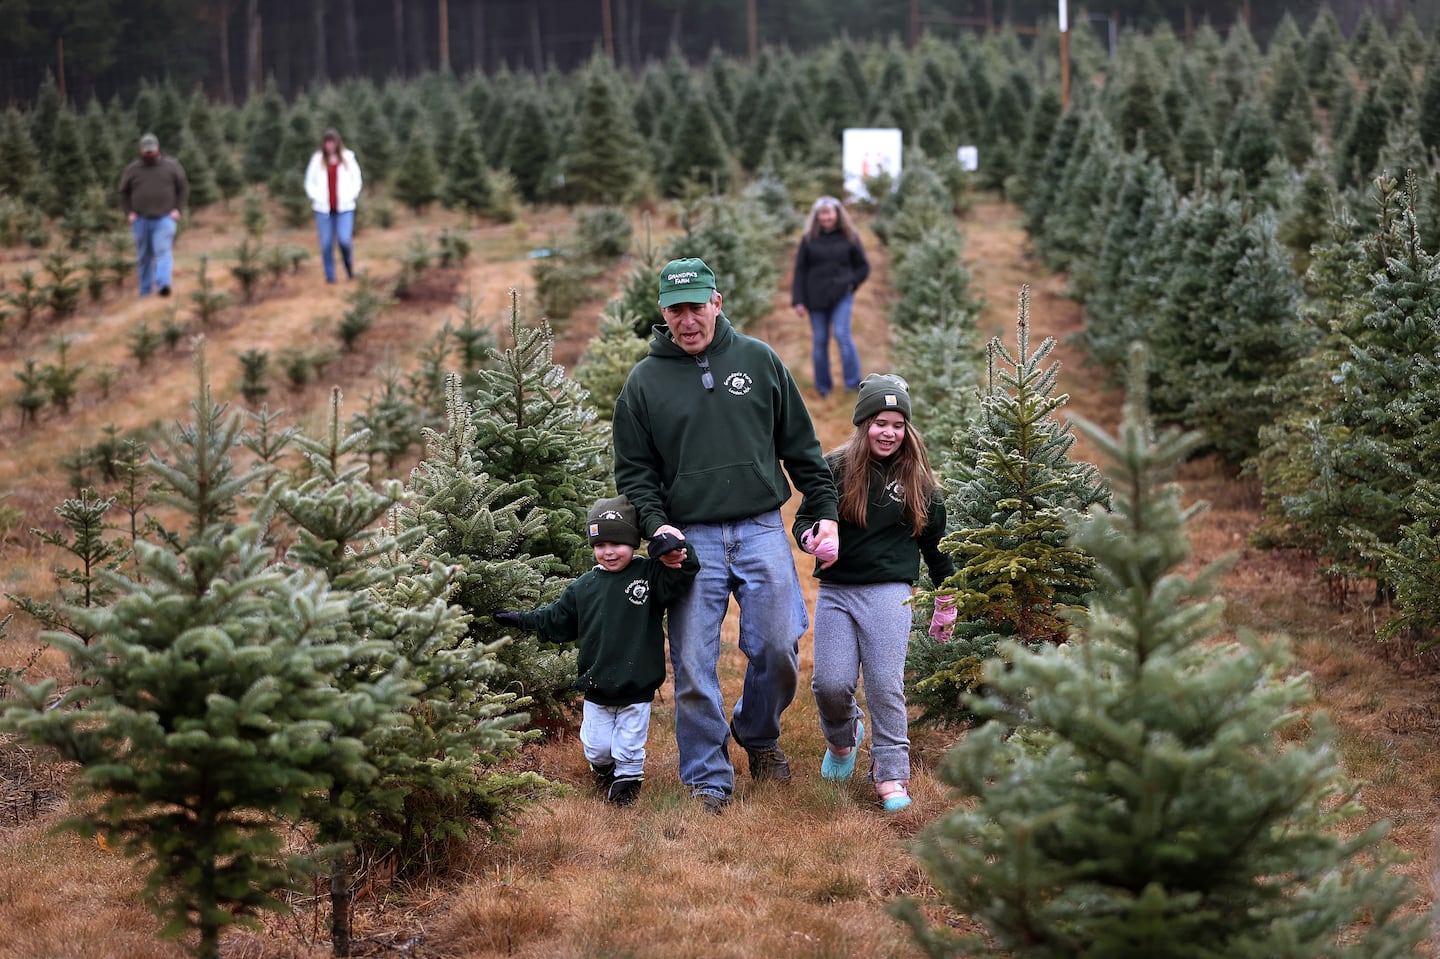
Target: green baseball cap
[{"x": 687, "y": 280}]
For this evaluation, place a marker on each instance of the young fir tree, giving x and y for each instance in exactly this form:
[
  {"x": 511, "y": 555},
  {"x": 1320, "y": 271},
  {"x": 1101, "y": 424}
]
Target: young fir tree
[
  {"x": 425, "y": 726},
  {"x": 1012, "y": 488},
  {"x": 698, "y": 156},
  {"x": 604, "y": 157},
  {"x": 1134, "y": 793},
  {"x": 67, "y": 165},
  {"x": 204, "y": 715},
  {"x": 468, "y": 183},
  {"x": 19, "y": 157},
  {"x": 1377, "y": 438},
  {"x": 535, "y": 432},
  {"x": 530, "y": 150},
  {"x": 195, "y": 158},
  {"x": 265, "y": 131},
  {"x": 480, "y": 526},
  {"x": 608, "y": 359},
  {"x": 287, "y": 179},
  {"x": 416, "y": 181},
  {"x": 101, "y": 144},
  {"x": 1410, "y": 566},
  {"x": 83, "y": 586}
]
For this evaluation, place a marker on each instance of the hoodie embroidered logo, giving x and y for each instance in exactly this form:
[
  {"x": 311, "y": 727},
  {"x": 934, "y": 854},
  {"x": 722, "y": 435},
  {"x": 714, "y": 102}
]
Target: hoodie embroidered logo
[
  {"x": 637, "y": 592},
  {"x": 739, "y": 383},
  {"x": 895, "y": 490}
]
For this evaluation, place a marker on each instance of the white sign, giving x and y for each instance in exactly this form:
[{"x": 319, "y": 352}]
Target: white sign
[
  {"x": 868, "y": 152},
  {"x": 969, "y": 158},
  {"x": 1064, "y": 16}
]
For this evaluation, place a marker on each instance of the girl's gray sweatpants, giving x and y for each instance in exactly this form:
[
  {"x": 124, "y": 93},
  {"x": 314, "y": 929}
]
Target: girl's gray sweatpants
[{"x": 864, "y": 628}]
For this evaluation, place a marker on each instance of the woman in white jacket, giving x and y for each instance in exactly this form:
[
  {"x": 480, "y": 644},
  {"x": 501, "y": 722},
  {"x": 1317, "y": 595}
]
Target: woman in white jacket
[{"x": 332, "y": 181}]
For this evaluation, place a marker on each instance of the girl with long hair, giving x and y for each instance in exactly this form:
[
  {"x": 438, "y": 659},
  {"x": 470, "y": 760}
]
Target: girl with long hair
[{"x": 891, "y": 515}]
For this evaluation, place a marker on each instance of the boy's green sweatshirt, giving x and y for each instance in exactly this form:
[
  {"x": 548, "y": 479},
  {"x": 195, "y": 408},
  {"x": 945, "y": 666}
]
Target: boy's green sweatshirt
[
  {"x": 616, "y": 619},
  {"x": 886, "y": 550},
  {"x": 687, "y": 454}
]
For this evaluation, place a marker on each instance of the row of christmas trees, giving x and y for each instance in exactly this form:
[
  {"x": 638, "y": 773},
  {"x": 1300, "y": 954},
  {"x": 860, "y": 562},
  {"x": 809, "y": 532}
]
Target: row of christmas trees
[{"x": 1291, "y": 310}]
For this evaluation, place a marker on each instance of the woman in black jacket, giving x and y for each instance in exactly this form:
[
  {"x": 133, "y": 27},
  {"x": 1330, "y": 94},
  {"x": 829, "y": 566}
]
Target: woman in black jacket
[{"x": 829, "y": 267}]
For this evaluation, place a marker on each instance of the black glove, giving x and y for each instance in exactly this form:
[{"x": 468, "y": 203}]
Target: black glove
[
  {"x": 508, "y": 617},
  {"x": 665, "y": 543}
]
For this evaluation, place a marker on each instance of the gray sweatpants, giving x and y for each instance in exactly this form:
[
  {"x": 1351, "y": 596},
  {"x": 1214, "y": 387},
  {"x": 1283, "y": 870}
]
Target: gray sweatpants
[{"x": 865, "y": 627}]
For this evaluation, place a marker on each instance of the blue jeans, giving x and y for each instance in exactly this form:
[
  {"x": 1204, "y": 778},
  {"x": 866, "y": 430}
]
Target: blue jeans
[
  {"x": 154, "y": 241},
  {"x": 822, "y": 324},
  {"x": 336, "y": 228},
  {"x": 751, "y": 559}
]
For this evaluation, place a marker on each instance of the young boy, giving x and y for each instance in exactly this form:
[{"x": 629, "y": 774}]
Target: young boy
[{"x": 614, "y": 611}]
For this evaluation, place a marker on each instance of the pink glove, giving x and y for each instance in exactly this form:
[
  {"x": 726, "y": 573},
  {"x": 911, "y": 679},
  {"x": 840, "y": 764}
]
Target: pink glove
[
  {"x": 942, "y": 621},
  {"x": 826, "y": 552}
]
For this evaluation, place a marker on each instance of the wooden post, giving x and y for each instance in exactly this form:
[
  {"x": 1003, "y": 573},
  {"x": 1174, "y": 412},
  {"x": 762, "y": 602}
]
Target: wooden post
[
  {"x": 60, "y": 66},
  {"x": 445, "y": 35},
  {"x": 752, "y": 28},
  {"x": 1064, "y": 57},
  {"x": 914, "y": 23},
  {"x": 609, "y": 28}
]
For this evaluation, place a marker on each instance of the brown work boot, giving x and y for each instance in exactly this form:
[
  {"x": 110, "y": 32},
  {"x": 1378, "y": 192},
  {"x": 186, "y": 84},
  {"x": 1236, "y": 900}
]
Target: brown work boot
[{"x": 771, "y": 764}]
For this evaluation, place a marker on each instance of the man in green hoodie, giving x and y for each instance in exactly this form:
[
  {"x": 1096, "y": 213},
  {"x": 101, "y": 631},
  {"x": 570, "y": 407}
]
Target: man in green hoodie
[{"x": 708, "y": 426}]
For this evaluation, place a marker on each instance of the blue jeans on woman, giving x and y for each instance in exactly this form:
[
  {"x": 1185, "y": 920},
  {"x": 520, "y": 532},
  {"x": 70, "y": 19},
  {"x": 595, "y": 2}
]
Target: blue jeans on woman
[
  {"x": 751, "y": 559},
  {"x": 822, "y": 324},
  {"x": 154, "y": 242},
  {"x": 336, "y": 228}
]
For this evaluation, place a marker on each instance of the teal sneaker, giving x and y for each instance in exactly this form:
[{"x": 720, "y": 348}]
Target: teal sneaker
[{"x": 841, "y": 768}]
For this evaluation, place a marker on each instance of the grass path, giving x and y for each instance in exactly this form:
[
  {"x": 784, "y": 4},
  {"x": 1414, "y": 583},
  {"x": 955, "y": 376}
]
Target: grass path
[{"x": 803, "y": 870}]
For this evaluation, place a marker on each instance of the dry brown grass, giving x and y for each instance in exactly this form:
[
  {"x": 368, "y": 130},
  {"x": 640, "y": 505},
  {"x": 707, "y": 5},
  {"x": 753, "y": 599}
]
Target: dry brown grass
[{"x": 804, "y": 870}]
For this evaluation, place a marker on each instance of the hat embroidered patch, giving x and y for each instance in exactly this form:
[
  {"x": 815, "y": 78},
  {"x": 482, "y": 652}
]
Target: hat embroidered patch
[
  {"x": 594, "y": 529},
  {"x": 890, "y": 400}
]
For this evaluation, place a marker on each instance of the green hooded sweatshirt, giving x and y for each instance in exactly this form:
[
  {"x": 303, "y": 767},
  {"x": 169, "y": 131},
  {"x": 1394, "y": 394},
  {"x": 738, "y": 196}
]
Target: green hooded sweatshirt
[{"x": 685, "y": 453}]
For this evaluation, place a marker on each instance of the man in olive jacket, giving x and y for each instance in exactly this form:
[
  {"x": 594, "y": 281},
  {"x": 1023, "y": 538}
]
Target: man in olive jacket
[
  {"x": 153, "y": 191},
  {"x": 708, "y": 425}
]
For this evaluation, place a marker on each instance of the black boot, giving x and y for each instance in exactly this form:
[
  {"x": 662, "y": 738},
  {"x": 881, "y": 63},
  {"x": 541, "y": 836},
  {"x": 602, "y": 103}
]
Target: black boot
[
  {"x": 604, "y": 775},
  {"x": 623, "y": 792}
]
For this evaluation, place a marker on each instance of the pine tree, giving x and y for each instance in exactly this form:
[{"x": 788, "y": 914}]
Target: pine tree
[
  {"x": 480, "y": 526},
  {"x": 1378, "y": 438},
  {"x": 1135, "y": 792},
  {"x": 195, "y": 158},
  {"x": 287, "y": 178},
  {"x": 44, "y": 112},
  {"x": 100, "y": 144},
  {"x": 19, "y": 158},
  {"x": 468, "y": 183},
  {"x": 1410, "y": 566},
  {"x": 1429, "y": 101},
  {"x": 1011, "y": 489},
  {"x": 67, "y": 165},
  {"x": 204, "y": 712},
  {"x": 609, "y": 357},
  {"x": 1324, "y": 57},
  {"x": 84, "y": 586},
  {"x": 604, "y": 157},
  {"x": 416, "y": 180},
  {"x": 414, "y": 729},
  {"x": 698, "y": 156},
  {"x": 535, "y": 432},
  {"x": 266, "y": 131},
  {"x": 529, "y": 153}
]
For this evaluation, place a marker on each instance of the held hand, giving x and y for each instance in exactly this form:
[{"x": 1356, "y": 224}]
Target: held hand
[
  {"x": 942, "y": 621},
  {"x": 662, "y": 543},
  {"x": 675, "y": 558},
  {"x": 175, "y": 215},
  {"x": 823, "y": 542},
  {"x": 508, "y": 617},
  {"x": 131, "y": 216}
]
